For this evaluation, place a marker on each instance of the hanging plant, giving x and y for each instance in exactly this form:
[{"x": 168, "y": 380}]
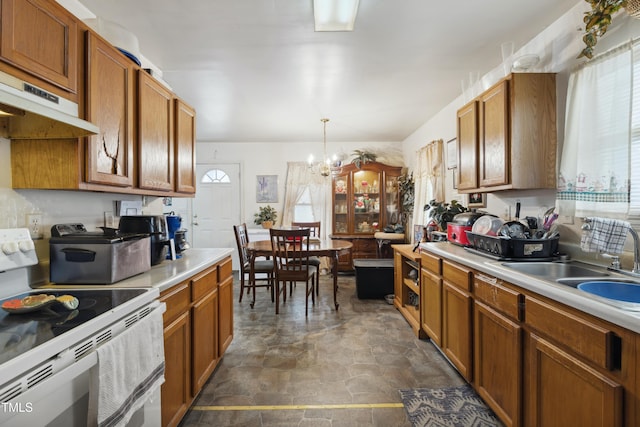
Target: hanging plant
[
  {"x": 596, "y": 21},
  {"x": 363, "y": 157}
]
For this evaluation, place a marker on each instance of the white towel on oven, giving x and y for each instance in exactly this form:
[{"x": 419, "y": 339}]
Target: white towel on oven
[
  {"x": 130, "y": 369},
  {"x": 604, "y": 235}
]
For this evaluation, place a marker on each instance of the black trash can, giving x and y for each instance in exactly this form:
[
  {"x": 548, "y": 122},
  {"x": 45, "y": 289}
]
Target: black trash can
[{"x": 374, "y": 277}]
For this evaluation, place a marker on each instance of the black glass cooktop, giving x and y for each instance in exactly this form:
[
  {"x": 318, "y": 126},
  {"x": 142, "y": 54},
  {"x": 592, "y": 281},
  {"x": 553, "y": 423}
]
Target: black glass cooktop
[{"x": 20, "y": 333}]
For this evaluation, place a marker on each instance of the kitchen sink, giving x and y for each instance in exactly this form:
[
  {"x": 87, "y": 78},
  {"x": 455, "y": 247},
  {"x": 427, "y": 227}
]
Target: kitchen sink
[
  {"x": 555, "y": 270},
  {"x": 625, "y": 295}
]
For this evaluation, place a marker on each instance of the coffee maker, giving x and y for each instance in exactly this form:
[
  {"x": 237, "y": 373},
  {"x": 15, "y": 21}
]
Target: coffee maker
[{"x": 174, "y": 222}]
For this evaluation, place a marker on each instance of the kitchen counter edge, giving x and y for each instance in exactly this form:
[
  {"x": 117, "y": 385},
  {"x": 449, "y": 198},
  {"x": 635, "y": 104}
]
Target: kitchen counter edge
[
  {"x": 561, "y": 293},
  {"x": 166, "y": 274}
]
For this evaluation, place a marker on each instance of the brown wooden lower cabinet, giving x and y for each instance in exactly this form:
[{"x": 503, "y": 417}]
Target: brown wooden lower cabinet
[
  {"x": 431, "y": 305},
  {"x": 204, "y": 340},
  {"x": 534, "y": 361},
  {"x": 198, "y": 328},
  {"x": 498, "y": 363},
  {"x": 456, "y": 332},
  {"x": 565, "y": 392},
  {"x": 176, "y": 389}
]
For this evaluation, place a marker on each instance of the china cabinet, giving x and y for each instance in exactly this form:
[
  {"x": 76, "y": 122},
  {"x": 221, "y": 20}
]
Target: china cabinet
[{"x": 364, "y": 200}]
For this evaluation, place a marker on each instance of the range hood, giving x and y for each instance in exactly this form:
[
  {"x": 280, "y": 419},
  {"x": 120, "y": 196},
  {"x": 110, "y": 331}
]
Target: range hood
[{"x": 30, "y": 112}]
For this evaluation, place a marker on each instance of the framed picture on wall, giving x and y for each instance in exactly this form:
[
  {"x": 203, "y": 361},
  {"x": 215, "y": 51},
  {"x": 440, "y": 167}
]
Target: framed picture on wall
[
  {"x": 477, "y": 200},
  {"x": 452, "y": 154},
  {"x": 266, "y": 188}
]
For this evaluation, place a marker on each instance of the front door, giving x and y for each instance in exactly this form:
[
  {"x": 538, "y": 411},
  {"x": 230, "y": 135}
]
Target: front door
[{"x": 216, "y": 207}]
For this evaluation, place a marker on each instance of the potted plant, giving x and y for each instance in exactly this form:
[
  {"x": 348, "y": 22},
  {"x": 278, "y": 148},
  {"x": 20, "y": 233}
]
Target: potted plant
[
  {"x": 266, "y": 216},
  {"x": 442, "y": 212},
  {"x": 596, "y": 21},
  {"x": 363, "y": 157}
]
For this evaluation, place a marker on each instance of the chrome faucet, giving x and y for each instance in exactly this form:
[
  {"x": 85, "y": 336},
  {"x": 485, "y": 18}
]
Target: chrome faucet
[
  {"x": 615, "y": 264},
  {"x": 636, "y": 251}
]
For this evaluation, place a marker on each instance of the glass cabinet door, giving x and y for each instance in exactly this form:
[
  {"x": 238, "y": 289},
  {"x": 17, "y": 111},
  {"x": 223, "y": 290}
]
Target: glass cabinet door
[
  {"x": 366, "y": 201},
  {"x": 341, "y": 208},
  {"x": 392, "y": 198}
]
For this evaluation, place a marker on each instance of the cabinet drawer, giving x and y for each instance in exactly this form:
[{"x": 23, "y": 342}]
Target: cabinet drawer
[
  {"x": 177, "y": 299},
  {"x": 204, "y": 282},
  {"x": 594, "y": 342},
  {"x": 431, "y": 263},
  {"x": 490, "y": 291},
  {"x": 224, "y": 270},
  {"x": 365, "y": 248},
  {"x": 457, "y": 275}
]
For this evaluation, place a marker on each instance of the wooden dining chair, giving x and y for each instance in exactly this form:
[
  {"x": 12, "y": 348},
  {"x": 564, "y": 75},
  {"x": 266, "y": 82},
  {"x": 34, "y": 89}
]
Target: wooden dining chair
[
  {"x": 291, "y": 258},
  {"x": 314, "y": 228},
  {"x": 264, "y": 267}
]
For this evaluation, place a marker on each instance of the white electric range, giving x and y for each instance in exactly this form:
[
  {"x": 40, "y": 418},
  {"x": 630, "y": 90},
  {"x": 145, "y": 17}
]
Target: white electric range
[{"x": 46, "y": 355}]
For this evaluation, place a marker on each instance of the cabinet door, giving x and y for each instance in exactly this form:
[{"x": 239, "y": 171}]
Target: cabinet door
[
  {"x": 40, "y": 38},
  {"x": 204, "y": 339},
  {"x": 185, "y": 127},
  {"x": 431, "y": 305},
  {"x": 467, "y": 144},
  {"x": 176, "y": 389},
  {"x": 391, "y": 208},
  {"x": 494, "y": 136},
  {"x": 366, "y": 200},
  {"x": 342, "y": 203},
  {"x": 457, "y": 333},
  {"x": 564, "y": 391},
  {"x": 110, "y": 107},
  {"x": 155, "y": 129},
  {"x": 225, "y": 314},
  {"x": 498, "y": 363}
]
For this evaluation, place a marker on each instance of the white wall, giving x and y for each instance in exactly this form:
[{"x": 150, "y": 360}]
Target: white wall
[{"x": 270, "y": 158}]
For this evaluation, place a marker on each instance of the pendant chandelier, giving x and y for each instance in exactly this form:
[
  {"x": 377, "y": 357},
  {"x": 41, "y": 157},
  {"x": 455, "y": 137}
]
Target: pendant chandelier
[{"x": 326, "y": 166}]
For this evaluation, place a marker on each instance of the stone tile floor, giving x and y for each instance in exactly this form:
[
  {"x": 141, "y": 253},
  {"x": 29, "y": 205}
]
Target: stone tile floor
[{"x": 358, "y": 358}]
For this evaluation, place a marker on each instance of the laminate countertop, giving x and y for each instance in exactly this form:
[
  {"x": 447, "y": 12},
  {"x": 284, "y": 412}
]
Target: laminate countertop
[
  {"x": 564, "y": 294},
  {"x": 166, "y": 274}
]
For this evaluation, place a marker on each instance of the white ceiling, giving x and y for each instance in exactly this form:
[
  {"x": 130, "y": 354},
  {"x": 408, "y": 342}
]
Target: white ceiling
[{"x": 255, "y": 70}]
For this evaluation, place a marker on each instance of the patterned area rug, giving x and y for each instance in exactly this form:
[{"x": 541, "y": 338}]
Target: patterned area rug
[{"x": 454, "y": 406}]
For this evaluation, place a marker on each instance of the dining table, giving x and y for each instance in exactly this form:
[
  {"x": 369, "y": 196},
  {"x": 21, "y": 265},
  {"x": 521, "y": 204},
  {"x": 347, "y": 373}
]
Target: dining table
[{"x": 317, "y": 247}]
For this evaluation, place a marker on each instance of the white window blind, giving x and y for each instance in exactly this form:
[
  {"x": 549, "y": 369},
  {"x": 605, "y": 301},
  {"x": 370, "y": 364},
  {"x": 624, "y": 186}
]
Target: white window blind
[
  {"x": 595, "y": 161},
  {"x": 634, "y": 149}
]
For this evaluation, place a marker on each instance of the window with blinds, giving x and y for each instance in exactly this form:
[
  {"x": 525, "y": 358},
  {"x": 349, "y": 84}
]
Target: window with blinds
[{"x": 600, "y": 161}]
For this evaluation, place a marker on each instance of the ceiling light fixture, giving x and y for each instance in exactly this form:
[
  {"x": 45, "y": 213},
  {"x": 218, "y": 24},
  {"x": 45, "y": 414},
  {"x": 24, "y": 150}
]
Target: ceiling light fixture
[
  {"x": 335, "y": 15},
  {"x": 325, "y": 167}
]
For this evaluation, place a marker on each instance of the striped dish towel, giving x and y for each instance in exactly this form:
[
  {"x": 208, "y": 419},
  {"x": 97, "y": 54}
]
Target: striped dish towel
[{"x": 604, "y": 235}]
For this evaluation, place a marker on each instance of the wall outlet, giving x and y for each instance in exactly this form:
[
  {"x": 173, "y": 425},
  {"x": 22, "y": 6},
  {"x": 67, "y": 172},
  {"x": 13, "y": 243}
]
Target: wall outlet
[{"x": 34, "y": 224}]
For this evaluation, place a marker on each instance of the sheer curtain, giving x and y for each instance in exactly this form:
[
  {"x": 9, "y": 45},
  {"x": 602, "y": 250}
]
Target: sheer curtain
[
  {"x": 299, "y": 178},
  {"x": 429, "y": 178},
  {"x": 594, "y": 166}
]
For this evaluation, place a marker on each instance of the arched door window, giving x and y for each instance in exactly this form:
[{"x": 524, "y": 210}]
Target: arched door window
[{"x": 215, "y": 176}]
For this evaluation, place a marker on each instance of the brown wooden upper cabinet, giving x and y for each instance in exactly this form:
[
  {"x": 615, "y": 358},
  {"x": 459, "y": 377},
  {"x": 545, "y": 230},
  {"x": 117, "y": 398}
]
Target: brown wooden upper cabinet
[
  {"x": 185, "y": 128},
  {"x": 155, "y": 134},
  {"x": 39, "y": 45},
  {"x": 110, "y": 107},
  {"x": 507, "y": 136}
]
